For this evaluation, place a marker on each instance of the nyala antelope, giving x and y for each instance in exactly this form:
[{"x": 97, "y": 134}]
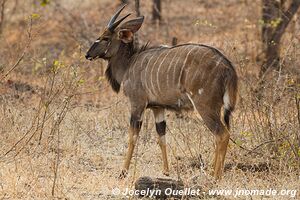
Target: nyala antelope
[{"x": 183, "y": 77}]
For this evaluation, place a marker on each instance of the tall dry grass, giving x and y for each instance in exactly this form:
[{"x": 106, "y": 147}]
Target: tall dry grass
[{"x": 64, "y": 133}]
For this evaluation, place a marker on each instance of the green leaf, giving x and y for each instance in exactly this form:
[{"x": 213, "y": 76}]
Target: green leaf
[
  {"x": 261, "y": 22},
  {"x": 35, "y": 16},
  {"x": 238, "y": 142},
  {"x": 44, "y": 2},
  {"x": 81, "y": 81},
  {"x": 246, "y": 134},
  {"x": 57, "y": 65}
]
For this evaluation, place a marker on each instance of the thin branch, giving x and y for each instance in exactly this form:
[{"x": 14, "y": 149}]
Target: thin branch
[
  {"x": 297, "y": 101},
  {"x": 29, "y": 32},
  {"x": 253, "y": 150},
  {"x": 56, "y": 163}
]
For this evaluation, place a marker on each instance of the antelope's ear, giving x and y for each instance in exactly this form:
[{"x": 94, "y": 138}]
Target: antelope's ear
[{"x": 127, "y": 29}]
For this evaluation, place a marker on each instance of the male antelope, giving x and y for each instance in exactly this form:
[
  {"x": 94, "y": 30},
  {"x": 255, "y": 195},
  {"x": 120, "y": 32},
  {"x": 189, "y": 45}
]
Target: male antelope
[{"x": 182, "y": 77}]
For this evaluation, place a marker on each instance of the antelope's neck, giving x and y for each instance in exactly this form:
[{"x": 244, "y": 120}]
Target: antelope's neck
[
  {"x": 118, "y": 69},
  {"x": 119, "y": 64}
]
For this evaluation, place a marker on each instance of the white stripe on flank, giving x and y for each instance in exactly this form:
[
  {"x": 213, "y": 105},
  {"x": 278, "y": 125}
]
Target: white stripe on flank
[
  {"x": 169, "y": 67},
  {"x": 146, "y": 69},
  {"x": 189, "y": 69},
  {"x": 132, "y": 69},
  {"x": 157, "y": 73},
  {"x": 209, "y": 50},
  {"x": 174, "y": 71},
  {"x": 218, "y": 62},
  {"x": 153, "y": 66},
  {"x": 196, "y": 73},
  {"x": 182, "y": 68},
  {"x": 142, "y": 64},
  {"x": 195, "y": 109}
]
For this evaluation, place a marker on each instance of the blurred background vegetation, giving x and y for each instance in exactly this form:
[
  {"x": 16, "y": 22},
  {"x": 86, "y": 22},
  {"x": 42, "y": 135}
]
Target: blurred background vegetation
[{"x": 56, "y": 104}]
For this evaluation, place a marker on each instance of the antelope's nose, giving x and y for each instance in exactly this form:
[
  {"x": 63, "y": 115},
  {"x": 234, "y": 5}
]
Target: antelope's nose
[{"x": 88, "y": 57}]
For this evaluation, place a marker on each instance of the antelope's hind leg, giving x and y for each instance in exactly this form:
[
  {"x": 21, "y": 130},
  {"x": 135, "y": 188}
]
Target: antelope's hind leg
[
  {"x": 160, "y": 125},
  {"x": 211, "y": 117},
  {"x": 222, "y": 139}
]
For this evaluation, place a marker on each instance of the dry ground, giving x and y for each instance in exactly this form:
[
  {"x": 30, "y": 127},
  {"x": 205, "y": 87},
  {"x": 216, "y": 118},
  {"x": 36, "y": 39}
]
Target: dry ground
[{"x": 55, "y": 93}]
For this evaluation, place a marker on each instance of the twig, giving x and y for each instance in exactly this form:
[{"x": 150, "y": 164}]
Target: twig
[
  {"x": 47, "y": 104},
  {"x": 240, "y": 146},
  {"x": 253, "y": 150},
  {"x": 264, "y": 143},
  {"x": 298, "y": 109},
  {"x": 37, "y": 126},
  {"x": 56, "y": 164},
  {"x": 23, "y": 137},
  {"x": 56, "y": 125},
  {"x": 29, "y": 32}
]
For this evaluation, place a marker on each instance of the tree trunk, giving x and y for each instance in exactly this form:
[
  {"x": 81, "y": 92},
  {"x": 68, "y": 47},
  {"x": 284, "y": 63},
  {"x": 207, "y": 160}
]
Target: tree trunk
[
  {"x": 270, "y": 15},
  {"x": 138, "y": 13},
  {"x": 123, "y": 1},
  {"x": 137, "y": 8},
  {"x": 156, "y": 10},
  {"x": 174, "y": 41},
  {"x": 275, "y": 21},
  {"x": 2, "y": 9}
]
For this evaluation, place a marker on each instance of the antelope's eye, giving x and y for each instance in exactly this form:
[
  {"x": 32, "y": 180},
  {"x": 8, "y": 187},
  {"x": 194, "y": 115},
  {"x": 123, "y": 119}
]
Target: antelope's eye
[{"x": 105, "y": 39}]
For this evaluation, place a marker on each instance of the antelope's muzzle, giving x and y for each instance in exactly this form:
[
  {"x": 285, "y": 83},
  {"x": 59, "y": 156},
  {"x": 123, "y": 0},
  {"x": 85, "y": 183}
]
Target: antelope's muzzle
[{"x": 88, "y": 57}]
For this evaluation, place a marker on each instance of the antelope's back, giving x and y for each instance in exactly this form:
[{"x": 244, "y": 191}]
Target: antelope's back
[{"x": 167, "y": 73}]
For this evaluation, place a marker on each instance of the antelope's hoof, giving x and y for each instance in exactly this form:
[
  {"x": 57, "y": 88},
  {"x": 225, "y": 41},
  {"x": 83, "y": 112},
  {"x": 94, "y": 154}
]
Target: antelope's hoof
[
  {"x": 123, "y": 174},
  {"x": 166, "y": 173},
  {"x": 217, "y": 176}
]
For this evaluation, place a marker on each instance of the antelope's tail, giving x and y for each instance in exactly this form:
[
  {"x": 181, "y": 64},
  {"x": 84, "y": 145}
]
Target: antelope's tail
[{"x": 230, "y": 95}]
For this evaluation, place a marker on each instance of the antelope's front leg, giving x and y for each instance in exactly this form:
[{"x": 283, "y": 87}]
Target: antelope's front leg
[
  {"x": 135, "y": 127},
  {"x": 160, "y": 124}
]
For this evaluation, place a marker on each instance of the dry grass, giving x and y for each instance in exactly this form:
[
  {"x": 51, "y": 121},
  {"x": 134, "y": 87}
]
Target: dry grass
[{"x": 55, "y": 93}]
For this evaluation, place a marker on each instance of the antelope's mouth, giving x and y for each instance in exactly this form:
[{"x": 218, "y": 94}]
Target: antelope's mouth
[{"x": 90, "y": 58}]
